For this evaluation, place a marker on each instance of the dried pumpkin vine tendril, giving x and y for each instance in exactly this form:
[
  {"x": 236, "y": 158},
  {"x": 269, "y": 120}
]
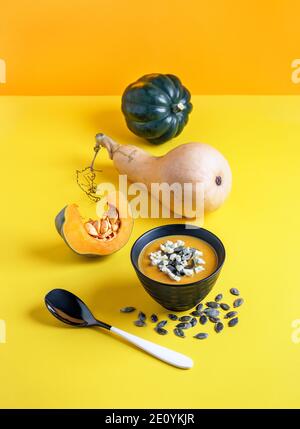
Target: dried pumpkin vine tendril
[{"x": 86, "y": 178}]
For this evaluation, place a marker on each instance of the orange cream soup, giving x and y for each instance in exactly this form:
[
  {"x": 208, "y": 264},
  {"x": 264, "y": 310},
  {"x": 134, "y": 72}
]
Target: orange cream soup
[{"x": 209, "y": 256}]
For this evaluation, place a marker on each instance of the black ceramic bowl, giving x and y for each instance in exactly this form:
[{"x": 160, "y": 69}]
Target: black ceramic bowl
[{"x": 178, "y": 297}]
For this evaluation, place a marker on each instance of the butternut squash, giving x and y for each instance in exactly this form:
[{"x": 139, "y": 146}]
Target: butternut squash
[{"x": 188, "y": 163}]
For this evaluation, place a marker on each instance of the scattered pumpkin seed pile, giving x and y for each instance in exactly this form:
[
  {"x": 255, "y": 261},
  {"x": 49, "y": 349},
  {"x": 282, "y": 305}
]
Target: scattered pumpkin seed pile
[{"x": 201, "y": 315}]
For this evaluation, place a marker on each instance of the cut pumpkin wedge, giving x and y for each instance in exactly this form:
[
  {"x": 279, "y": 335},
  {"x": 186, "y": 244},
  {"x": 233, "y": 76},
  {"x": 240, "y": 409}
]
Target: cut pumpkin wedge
[{"x": 117, "y": 220}]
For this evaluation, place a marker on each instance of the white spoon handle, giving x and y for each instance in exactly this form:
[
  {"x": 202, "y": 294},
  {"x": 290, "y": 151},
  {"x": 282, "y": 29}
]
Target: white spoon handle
[{"x": 167, "y": 355}]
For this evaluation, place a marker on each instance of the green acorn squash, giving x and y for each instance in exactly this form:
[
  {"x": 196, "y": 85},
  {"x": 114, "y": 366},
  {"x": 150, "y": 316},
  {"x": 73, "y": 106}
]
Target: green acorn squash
[{"x": 156, "y": 107}]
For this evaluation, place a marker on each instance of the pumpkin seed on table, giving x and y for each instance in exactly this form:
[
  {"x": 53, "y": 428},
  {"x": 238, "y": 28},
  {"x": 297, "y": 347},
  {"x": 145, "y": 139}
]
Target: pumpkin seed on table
[
  {"x": 219, "y": 297},
  {"x": 161, "y": 331},
  {"x": 193, "y": 321},
  {"x": 203, "y": 319},
  {"x": 184, "y": 325},
  {"x": 142, "y": 316},
  {"x": 154, "y": 318},
  {"x": 219, "y": 327},
  {"x": 172, "y": 316},
  {"x": 199, "y": 307},
  {"x": 212, "y": 304},
  {"x": 184, "y": 318},
  {"x": 233, "y": 322},
  {"x": 201, "y": 336},
  {"x": 127, "y": 309},
  {"x": 238, "y": 302},
  {"x": 162, "y": 324},
  {"x": 179, "y": 332},
  {"x": 224, "y": 306},
  {"x": 230, "y": 314},
  {"x": 212, "y": 312},
  {"x": 214, "y": 319},
  {"x": 140, "y": 323},
  {"x": 196, "y": 313}
]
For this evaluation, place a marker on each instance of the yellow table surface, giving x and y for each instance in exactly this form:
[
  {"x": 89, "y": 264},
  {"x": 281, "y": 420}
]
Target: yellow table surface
[{"x": 48, "y": 364}]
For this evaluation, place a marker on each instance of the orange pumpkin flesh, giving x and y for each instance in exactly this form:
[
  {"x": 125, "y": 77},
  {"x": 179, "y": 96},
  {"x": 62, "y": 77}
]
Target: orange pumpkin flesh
[{"x": 71, "y": 227}]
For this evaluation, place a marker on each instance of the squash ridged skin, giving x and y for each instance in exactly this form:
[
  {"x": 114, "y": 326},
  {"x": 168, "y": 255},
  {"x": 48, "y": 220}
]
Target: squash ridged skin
[
  {"x": 60, "y": 220},
  {"x": 156, "y": 107},
  {"x": 59, "y": 224}
]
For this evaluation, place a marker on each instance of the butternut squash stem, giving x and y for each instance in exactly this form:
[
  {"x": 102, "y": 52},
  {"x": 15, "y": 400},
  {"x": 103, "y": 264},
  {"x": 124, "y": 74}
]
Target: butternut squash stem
[
  {"x": 96, "y": 150},
  {"x": 110, "y": 145}
]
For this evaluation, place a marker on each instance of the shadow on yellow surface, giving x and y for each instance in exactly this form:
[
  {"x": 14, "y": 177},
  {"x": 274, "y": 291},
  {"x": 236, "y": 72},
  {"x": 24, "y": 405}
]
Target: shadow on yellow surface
[
  {"x": 42, "y": 316},
  {"x": 59, "y": 253}
]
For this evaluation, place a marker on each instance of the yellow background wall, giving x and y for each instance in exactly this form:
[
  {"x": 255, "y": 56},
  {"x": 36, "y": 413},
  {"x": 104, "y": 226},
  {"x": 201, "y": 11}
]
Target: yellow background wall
[{"x": 99, "y": 46}]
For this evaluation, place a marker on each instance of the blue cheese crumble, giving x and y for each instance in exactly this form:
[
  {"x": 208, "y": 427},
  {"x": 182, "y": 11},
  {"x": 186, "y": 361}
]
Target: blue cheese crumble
[{"x": 176, "y": 260}]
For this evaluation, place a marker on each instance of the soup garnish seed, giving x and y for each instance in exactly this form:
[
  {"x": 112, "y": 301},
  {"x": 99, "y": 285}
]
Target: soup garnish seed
[
  {"x": 175, "y": 260},
  {"x": 178, "y": 249},
  {"x": 238, "y": 302},
  {"x": 199, "y": 269},
  {"x": 127, "y": 309},
  {"x": 161, "y": 331},
  {"x": 230, "y": 314},
  {"x": 179, "y": 332},
  {"x": 219, "y": 327},
  {"x": 212, "y": 304},
  {"x": 184, "y": 318},
  {"x": 172, "y": 269},
  {"x": 234, "y": 291},
  {"x": 201, "y": 336},
  {"x": 154, "y": 318},
  {"x": 224, "y": 306},
  {"x": 188, "y": 272},
  {"x": 219, "y": 297},
  {"x": 233, "y": 322},
  {"x": 162, "y": 324},
  {"x": 198, "y": 261},
  {"x": 203, "y": 319},
  {"x": 180, "y": 269},
  {"x": 172, "y": 316},
  {"x": 140, "y": 323}
]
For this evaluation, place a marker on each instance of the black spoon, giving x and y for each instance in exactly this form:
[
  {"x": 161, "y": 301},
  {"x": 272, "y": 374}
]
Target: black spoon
[{"x": 68, "y": 308}]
